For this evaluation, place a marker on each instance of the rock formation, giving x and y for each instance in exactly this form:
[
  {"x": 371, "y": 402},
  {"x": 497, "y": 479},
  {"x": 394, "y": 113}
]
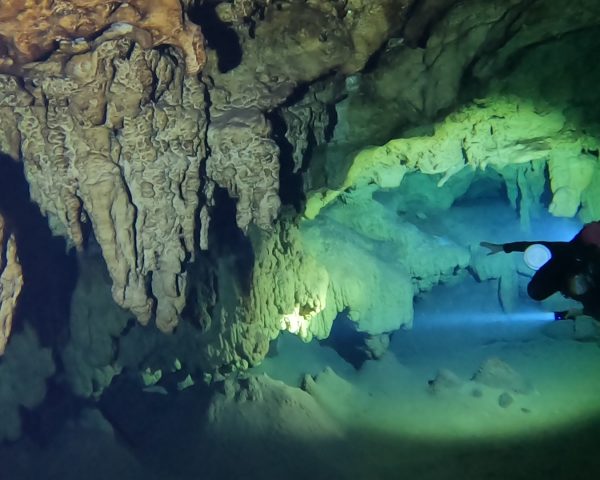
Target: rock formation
[
  {"x": 105, "y": 161},
  {"x": 11, "y": 282},
  {"x": 30, "y": 29},
  {"x": 136, "y": 145},
  {"x": 493, "y": 132}
]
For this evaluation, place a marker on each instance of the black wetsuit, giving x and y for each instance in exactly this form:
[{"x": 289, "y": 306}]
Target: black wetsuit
[{"x": 568, "y": 260}]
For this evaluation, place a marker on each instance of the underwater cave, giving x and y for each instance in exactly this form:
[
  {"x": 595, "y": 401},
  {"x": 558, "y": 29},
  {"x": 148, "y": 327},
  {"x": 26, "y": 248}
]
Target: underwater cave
[{"x": 346, "y": 239}]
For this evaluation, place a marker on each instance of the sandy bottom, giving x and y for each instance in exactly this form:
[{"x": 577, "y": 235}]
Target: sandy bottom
[
  {"x": 405, "y": 428},
  {"x": 382, "y": 422}
]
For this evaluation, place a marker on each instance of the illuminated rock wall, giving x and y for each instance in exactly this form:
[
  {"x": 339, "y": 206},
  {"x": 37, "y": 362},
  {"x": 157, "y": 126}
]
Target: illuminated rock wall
[
  {"x": 494, "y": 132},
  {"x": 127, "y": 142}
]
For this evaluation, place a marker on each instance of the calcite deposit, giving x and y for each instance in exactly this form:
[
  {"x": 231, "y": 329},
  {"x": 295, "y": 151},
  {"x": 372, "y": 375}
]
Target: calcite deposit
[
  {"x": 31, "y": 29},
  {"x": 116, "y": 142},
  {"x": 11, "y": 282},
  {"x": 286, "y": 290},
  {"x": 147, "y": 151},
  {"x": 495, "y": 132},
  {"x": 124, "y": 143}
]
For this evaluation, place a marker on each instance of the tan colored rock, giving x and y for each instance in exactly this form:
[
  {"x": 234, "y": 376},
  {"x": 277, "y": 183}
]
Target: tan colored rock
[
  {"x": 115, "y": 139},
  {"x": 571, "y": 172},
  {"x": 245, "y": 161},
  {"x": 371, "y": 23},
  {"x": 30, "y": 29},
  {"x": 11, "y": 282},
  {"x": 12, "y": 96}
]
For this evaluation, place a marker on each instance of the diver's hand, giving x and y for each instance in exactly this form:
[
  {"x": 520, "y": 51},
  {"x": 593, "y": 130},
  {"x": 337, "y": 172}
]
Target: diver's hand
[
  {"x": 492, "y": 247},
  {"x": 573, "y": 313}
]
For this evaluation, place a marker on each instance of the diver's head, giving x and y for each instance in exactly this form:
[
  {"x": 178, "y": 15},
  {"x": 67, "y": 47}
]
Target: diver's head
[{"x": 579, "y": 285}]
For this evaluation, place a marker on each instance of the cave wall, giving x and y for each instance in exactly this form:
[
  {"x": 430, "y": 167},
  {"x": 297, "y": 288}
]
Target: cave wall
[{"x": 136, "y": 149}]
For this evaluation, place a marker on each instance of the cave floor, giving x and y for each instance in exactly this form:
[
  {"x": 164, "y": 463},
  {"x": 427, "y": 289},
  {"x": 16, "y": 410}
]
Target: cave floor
[
  {"x": 550, "y": 429},
  {"x": 385, "y": 421},
  {"x": 391, "y": 423}
]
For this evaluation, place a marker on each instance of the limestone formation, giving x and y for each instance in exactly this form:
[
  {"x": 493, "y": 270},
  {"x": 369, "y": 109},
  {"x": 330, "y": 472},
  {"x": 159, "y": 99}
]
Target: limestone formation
[
  {"x": 442, "y": 43},
  {"x": 286, "y": 290},
  {"x": 494, "y": 132},
  {"x": 123, "y": 141},
  {"x": 11, "y": 282},
  {"x": 571, "y": 172},
  {"x": 293, "y": 42},
  {"x": 95, "y": 325},
  {"x": 30, "y": 29},
  {"x": 310, "y": 120},
  {"x": 495, "y": 372},
  {"x": 113, "y": 136},
  {"x": 266, "y": 415},
  {"x": 376, "y": 263},
  {"x": 244, "y": 158},
  {"x": 115, "y": 139}
]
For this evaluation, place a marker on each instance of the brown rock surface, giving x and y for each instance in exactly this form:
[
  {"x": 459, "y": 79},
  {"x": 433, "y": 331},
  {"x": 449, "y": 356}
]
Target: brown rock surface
[{"x": 30, "y": 29}]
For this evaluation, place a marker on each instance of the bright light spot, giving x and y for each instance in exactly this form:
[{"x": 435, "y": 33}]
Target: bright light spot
[
  {"x": 295, "y": 323},
  {"x": 536, "y": 316},
  {"x": 298, "y": 323}
]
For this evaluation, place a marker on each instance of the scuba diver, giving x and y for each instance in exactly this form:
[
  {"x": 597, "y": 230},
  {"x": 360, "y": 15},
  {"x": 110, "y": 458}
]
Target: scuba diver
[{"x": 571, "y": 268}]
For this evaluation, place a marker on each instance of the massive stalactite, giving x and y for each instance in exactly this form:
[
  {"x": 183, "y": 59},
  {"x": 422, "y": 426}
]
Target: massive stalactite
[{"x": 115, "y": 139}]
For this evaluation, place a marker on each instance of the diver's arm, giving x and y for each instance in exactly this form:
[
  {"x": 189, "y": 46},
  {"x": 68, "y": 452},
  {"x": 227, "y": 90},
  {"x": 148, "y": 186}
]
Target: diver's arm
[
  {"x": 522, "y": 246},
  {"x": 506, "y": 247},
  {"x": 517, "y": 246},
  {"x": 493, "y": 248}
]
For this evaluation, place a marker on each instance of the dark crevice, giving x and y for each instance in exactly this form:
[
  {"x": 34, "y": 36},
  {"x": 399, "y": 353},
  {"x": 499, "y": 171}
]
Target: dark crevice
[
  {"x": 347, "y": 341},
  {"x": 373, "y": 61},
  {"x": 49, "y": 278},
  {"x": 422, "y": 16},
  {"x": 43, "y": 424},
  {"x": 227, "y": 240},
  {"x": 290, "y": 183},
  {"x": 219, "y": 36},
  {"x": 297, "y": 95},
  {"x": 49, "y": 273}
]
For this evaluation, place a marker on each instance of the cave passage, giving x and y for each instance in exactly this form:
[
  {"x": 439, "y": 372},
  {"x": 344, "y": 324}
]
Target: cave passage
[{"x": 470, "y": 367}]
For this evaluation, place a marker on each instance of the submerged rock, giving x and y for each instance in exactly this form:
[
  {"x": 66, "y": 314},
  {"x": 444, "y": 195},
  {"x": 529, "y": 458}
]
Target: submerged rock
[
  {"x": 505, "y": 400},
  {"x": 496, "y": 373},
  {"x": 444, "y": 380}
]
